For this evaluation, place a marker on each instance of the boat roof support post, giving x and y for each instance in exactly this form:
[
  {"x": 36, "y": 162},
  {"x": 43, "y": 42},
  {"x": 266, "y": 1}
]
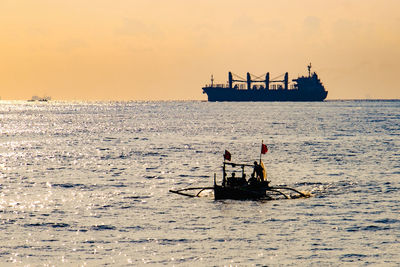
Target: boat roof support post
[{"x": 223, "y": 175}]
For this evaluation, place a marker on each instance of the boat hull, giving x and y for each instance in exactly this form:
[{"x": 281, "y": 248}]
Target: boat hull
[
  {"x": 221, "y": 94},
  {"x": 240, "y": 192}
]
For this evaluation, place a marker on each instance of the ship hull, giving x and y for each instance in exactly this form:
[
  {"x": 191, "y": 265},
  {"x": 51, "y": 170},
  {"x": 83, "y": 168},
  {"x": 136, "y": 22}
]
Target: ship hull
[
  {"x": 230, "y": 94},
  {"x": 240, "y": 193}
]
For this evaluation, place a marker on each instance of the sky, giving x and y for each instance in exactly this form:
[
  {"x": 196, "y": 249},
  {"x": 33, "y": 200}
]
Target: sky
[{"x": 168, "y": 50}]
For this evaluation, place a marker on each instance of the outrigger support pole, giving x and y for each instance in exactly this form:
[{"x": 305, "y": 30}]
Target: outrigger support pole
[
  {"x": 277, "y": 191},
  {"x": 288, "y": 188},
  {"x": 180, "y": 191}
]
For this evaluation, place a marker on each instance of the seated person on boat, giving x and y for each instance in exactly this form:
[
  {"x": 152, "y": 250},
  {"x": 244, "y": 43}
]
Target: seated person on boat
[{"x": 233, "y": 181}]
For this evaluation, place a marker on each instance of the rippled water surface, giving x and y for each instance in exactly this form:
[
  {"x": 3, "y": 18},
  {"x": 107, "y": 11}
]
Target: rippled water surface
[{"x": 87, "y": 183}]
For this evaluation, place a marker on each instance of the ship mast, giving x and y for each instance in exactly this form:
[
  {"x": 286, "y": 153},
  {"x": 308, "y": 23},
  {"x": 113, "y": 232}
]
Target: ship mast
[{"x": 309, "y": 70}]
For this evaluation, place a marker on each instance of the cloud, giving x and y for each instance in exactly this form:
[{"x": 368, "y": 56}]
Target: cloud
[
  {"x": 312, "y": 26},
  {"x": 71, "y": 45},
  {"x": 243, "y": 22},
  {"x": 136, "y": 28},
  {"x": 345, "y": 28}
]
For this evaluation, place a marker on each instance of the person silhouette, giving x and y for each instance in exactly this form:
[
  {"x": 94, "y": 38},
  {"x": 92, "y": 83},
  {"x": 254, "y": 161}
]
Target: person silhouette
[{"x": 258, "y": 171}]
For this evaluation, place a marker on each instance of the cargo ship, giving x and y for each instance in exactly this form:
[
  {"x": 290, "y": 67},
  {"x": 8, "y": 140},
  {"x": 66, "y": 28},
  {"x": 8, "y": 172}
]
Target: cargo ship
[{"x": 304, "y": 88}]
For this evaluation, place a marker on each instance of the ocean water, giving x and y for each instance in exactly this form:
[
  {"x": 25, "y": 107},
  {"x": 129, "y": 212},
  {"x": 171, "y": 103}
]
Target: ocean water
[{"x": 88, "y": 183}]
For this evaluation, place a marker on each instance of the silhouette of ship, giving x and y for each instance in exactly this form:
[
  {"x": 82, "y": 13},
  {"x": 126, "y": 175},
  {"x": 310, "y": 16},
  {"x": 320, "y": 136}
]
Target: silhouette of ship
[
  {"x": 41, "y": 99},
  {"x": 304, "y": 88}
]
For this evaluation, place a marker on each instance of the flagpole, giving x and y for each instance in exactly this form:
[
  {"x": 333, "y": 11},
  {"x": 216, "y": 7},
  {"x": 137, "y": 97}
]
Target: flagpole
[{"x": 262, "y": 142}]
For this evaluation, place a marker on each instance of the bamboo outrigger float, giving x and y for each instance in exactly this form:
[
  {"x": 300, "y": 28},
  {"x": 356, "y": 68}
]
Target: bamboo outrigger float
[{"x": 238, "y": 188}]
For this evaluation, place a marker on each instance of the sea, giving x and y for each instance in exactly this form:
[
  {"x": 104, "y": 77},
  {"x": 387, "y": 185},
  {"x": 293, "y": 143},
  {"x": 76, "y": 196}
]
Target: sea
[{"x": 87, "y": 183}]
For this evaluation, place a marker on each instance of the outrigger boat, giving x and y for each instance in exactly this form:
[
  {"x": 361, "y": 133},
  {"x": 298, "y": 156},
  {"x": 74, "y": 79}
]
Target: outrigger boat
[{"x": 239, "y": 188}]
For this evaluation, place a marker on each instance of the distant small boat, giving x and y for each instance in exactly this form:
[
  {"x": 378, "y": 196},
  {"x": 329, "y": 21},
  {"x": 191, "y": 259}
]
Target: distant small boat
[
  {"x": 41, "y": 99},
  {"x": 238, "y": 188}
]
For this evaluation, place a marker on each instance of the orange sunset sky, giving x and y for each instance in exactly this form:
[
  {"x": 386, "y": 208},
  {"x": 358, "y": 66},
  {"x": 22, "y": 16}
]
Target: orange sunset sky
[{"x": 168, "y": 49}]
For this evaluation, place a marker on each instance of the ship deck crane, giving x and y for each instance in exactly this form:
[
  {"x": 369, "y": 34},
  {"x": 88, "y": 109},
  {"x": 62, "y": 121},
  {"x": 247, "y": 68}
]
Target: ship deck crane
[{"x": 249, "y": 80}]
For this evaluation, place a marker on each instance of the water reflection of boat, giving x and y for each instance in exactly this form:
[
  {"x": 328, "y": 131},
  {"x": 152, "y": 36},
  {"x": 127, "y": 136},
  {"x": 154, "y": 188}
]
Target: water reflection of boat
[{"x": 239, "y": 188}]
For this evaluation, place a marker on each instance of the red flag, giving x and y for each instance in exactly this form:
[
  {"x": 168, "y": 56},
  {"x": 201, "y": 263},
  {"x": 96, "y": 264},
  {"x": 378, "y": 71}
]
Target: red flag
[
  {"x": 264, "y": 148},
  {"x": 227, "y": 155}
]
